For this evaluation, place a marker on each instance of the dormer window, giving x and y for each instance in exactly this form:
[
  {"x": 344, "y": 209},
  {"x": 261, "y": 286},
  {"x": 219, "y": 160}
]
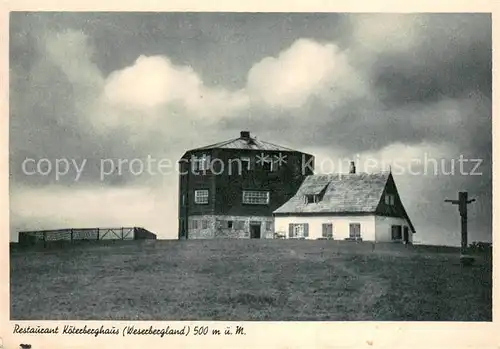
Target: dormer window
[{"x": 311, "y": 198}]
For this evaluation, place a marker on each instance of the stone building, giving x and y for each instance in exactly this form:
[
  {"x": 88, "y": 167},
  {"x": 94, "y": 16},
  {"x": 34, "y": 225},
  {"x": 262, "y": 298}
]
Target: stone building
[{"x": 230, "y": 189}]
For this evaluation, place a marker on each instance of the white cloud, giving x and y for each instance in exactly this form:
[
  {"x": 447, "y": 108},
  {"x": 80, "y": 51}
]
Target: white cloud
[
  {"x": 154, "y": 82},
  {"x": 305, "y": 69},
  {"x": 154, "y": 93},
  {"x": 150, "y": 82}
]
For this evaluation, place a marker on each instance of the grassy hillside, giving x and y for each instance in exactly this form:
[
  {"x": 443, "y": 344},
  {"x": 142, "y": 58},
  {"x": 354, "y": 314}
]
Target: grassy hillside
[{"x": 249, "y": 280}]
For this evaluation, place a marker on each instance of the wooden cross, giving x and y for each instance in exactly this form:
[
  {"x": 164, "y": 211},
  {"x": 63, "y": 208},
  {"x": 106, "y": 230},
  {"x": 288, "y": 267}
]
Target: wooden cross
[{"x": 462, "y": 203}]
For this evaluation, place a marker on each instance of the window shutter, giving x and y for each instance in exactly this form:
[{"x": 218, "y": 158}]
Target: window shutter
[
  {"x": 306, "y": 229},
  {"x": 290, "y": 230}
]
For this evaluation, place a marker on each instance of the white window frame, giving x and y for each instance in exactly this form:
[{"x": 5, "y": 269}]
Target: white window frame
[
  {"x": 201, "y": 196},
  {"x": 270, "y": 162},
  {"x": 298, "y": 230},
  {"x": 315, "y": 199},
  {"x": 252, "y": 197}
]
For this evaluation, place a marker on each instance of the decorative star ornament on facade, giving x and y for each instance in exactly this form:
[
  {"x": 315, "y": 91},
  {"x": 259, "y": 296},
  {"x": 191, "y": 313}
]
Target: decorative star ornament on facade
[
  {"x": 280, "y": 159},
  {"x": 262, "y": 159}
]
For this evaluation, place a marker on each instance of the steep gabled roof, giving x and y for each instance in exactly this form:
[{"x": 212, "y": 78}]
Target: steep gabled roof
[
  {"x": 354, "y": 193},
  {"x": 345, "y": 193}
]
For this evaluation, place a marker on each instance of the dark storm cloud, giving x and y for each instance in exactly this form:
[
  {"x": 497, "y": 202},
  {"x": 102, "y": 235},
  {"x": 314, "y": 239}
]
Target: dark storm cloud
[{"x": 466, "y": 68}]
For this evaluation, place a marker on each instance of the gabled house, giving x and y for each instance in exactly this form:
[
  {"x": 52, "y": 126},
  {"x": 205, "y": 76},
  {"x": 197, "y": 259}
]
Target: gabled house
[{"x": 352, "y": 206}]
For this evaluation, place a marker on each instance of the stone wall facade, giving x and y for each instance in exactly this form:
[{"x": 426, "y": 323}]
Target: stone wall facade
[{"x": 228, "y": 227}]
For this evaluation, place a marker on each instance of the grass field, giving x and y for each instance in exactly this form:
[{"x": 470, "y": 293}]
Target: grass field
[{"x": 248, "y": 280}]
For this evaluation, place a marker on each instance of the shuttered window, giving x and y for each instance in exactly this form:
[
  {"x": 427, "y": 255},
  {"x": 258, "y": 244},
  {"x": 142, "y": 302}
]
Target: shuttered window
[
  {"x": 354, "y": 231},
  {"x": 327, "y": 231},
  {"x": 298, "y": 230}
]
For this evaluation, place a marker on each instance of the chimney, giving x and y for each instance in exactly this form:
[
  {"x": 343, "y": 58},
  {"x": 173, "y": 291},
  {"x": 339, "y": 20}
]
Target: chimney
[
  {"x": 245, "y": 134},
  {"x": 352, "y": 168}
]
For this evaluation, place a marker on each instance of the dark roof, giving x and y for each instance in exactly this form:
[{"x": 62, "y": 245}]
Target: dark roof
[
  {"x": 343, "y": 193},
  {"x": 245, "y": 141}
]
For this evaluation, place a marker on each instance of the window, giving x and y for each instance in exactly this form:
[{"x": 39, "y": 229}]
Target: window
[
  {"x": 267, "y": 163},
  {"x": 327, "y": 230},
  {"x": 204, "y": 224},
  {"x": 230, "y": 224},
  {"x": 201, "y": 196},
  {"x": 389, "y": 199},
  {"x": 183, "y": 200},
  {"x": 193, "y": 224},
  {"x": 396, "y": 232},
  {"x": 255, "y": 197},
  {"x": 311, "y": 198},
  {"x": 269, "y": 226},
  {"x": 201, "y": 163},
  {"x": 298, "y": 231},
  {"x": 354, "y": 231},
  {"x": 245, "y": 164},
  {"x": 239, "y": 165}
]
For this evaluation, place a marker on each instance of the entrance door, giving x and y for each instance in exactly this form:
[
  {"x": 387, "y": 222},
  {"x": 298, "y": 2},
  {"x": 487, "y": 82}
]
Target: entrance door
[
  {"x": 254, "y": 231},
  {"x": 406, "y": 236}
]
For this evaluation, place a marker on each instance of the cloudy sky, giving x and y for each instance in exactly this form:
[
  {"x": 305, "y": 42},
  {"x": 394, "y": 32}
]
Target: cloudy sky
[{"x": 382, "y": 89}]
